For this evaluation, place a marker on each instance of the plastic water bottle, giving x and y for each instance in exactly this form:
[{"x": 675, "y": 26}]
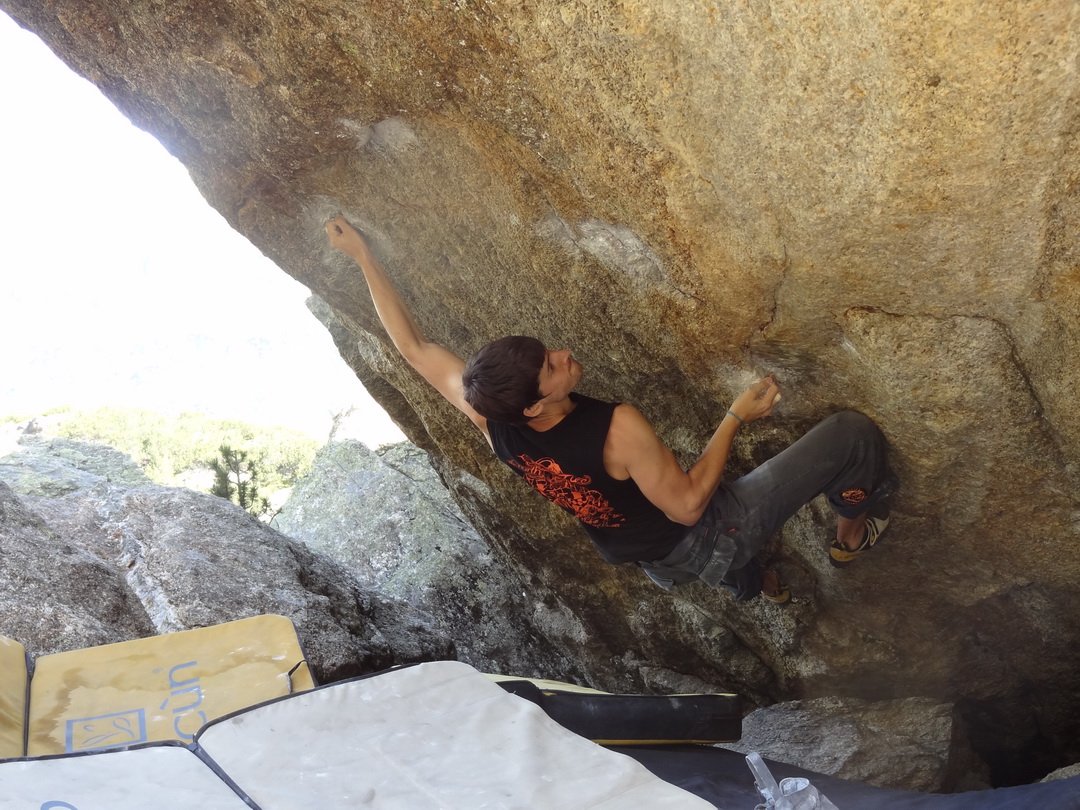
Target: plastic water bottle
[{"x": 793, "y": 793}]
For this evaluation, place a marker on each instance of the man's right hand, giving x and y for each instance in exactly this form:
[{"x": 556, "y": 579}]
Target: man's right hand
[
  {"x": 345, "y": 237},
  {"x": 757, "y": 400}
]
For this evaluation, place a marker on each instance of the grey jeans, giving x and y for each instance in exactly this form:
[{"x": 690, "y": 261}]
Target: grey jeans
[{"x": 843, "y": 456}]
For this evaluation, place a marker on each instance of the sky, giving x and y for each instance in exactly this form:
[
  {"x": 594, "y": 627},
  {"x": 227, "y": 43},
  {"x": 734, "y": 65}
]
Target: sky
[{"x": 120, "y": 285}]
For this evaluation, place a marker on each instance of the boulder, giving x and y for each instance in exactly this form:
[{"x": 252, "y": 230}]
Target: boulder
[
  {"x": 115, "y": 557},
  {"x": 1062, "y": 773},
  {"x": 385, "y": 515},
  {"x": 910, "y": 743}
]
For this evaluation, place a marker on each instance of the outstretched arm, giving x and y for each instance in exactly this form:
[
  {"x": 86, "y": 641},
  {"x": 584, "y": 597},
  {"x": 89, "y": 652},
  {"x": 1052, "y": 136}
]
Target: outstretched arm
[
  {"x": 634, "y": 448},
  {"x": 436, "y": 364}
]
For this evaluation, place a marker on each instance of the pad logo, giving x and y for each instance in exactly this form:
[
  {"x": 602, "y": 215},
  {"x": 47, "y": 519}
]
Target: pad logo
[
  {"x": 569, "y": 491},
  {"x": 106, "y": 730}
]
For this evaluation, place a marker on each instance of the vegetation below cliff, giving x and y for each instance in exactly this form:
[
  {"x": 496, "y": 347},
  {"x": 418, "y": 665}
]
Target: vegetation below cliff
[{"x": 180, "y": 450}]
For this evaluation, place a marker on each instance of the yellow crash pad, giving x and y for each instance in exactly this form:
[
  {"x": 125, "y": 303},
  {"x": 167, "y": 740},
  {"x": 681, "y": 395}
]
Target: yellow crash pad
[
  {"x": 160, "y": 688},
  {"x": 12, "y": 698}
]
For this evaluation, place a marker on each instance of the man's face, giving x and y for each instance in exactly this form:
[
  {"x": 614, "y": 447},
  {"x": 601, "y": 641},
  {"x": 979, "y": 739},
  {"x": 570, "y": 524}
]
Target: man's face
[{"x": 559, "y": 374}]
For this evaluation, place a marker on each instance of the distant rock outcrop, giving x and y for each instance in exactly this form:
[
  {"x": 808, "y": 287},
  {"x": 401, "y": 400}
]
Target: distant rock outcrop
[
  {"x": 878, "y": 202},
  {"x": 92, "y": 553}
]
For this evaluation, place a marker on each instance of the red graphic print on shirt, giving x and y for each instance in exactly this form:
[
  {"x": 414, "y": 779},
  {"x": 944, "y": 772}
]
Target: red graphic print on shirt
[{"x": 571, "y": 492}]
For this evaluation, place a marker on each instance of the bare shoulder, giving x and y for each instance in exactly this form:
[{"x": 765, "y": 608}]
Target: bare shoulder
[
  {"x": 628, "y": 435},
  {"x": 627, "y": 420},
  {"x": 456, "y": 395},
  {"x": 482, "y": 425}
]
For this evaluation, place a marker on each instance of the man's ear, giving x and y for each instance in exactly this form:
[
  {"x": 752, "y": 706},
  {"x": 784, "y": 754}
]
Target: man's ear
[{"x": 533, "y": 410}]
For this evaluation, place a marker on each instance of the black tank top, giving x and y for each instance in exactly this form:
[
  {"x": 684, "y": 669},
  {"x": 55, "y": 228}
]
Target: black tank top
[{"x": 566, "y": 465}]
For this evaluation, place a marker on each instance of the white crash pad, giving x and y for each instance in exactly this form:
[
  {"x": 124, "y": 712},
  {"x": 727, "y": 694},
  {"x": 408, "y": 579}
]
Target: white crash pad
[
  {"x": 437, "y": 735},
  {"x": 165, "y": 777}
]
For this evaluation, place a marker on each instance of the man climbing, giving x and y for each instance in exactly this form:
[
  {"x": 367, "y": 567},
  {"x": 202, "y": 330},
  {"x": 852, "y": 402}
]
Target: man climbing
[{"x": 604, "y": 464}]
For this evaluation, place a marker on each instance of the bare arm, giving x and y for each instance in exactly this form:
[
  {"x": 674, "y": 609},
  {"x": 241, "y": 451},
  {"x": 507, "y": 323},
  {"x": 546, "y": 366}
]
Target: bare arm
[
  {"x": 436, "y": 364},
  {"x": 634, "y": 448}
]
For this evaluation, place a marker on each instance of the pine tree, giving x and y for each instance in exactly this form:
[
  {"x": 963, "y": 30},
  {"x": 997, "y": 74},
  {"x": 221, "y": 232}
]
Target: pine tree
[{"x": 236, "y": 479}]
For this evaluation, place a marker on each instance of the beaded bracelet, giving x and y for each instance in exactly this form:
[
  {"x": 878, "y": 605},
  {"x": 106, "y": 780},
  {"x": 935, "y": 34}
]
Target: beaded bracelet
[{"x": 732, "y": 413}]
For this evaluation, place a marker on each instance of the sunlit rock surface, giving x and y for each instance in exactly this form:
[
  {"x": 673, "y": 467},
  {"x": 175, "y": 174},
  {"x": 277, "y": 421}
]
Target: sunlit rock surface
[
  {"x": 105, "y": 557},
  {"x": 387, "y": 517},
  {"x": 877, "y": 202}
]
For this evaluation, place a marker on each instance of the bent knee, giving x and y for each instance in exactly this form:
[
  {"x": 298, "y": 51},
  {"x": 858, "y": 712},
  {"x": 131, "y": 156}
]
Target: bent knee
[
  {"x": 852, "y": 418},
  {"x": 852, "y": 422}
]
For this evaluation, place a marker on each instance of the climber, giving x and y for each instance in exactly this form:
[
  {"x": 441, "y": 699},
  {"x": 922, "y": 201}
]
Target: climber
[{"x": 604, "y": 464}]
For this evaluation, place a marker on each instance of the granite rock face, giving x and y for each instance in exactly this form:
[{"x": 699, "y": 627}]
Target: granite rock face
[
  {"x": 877, "y": 202},
  {"x": 386, "y": 516},
  {"x": 115, "y": 557}
]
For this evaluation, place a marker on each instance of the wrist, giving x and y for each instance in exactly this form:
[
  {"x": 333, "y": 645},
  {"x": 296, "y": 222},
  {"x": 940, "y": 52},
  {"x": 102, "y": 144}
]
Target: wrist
[{"x": 738, "y": 418}]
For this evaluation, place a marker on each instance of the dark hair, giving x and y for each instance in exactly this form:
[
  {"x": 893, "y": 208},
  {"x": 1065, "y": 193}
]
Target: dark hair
[{"x": 503, "y": 378}]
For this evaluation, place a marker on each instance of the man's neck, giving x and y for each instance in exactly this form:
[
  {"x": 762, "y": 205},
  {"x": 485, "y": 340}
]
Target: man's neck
[{"x": 551, "y": 415}]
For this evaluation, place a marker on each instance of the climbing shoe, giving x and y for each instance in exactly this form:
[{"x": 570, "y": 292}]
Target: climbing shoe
[
  {"x": 840, "y": 555},
  {"x": 772, "y": 589}
]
